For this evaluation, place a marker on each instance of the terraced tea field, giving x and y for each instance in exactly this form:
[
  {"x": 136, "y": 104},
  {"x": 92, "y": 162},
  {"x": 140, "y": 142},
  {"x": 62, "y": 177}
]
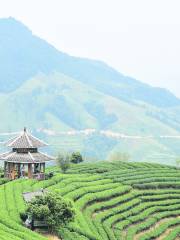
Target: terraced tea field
[{"x": 131, "y": 201}]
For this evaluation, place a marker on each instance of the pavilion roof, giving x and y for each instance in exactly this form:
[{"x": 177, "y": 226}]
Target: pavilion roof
[
  {"x": 15, "y": 157},
  {"x": 25, "y": 140}
]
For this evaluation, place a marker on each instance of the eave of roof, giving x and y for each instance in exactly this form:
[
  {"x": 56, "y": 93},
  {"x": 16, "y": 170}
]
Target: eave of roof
[{"x": 15, "y": 157}]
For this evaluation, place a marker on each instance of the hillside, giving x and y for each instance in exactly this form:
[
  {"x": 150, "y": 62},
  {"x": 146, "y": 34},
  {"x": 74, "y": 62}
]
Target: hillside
[
  {"x": 129, "y": 201},
  {"x": 47, "y": 90}
]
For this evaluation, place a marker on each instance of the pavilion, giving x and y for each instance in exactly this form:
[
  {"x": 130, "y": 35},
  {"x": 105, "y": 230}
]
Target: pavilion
[{"x": 24, "y": 160}]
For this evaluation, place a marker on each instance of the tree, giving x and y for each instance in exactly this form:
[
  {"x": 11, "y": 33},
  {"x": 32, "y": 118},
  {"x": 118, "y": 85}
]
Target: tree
[
  {"x": 76, "y": 157},
  {"x": 52, "y": 209},
  {"x": 63, "y": 160},
  {"x": 1, "y": 172},
  {"x": 119, "y": 156}
]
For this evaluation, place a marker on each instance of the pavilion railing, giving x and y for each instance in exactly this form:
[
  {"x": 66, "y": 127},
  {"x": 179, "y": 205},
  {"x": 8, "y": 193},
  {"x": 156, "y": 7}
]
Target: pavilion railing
[{"x": 38, "y": 176}]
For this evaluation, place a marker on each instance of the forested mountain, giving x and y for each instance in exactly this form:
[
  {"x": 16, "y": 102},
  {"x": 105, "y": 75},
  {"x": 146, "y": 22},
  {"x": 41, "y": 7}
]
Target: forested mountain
[{"x": 50, "y": 91}]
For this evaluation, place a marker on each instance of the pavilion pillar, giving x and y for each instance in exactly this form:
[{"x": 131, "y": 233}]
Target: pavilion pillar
[
  {"x": 5, "y": 172},
  {"x": 43, "y": 167},
  {"x": 43, "y": 170},
  {"x": 19, "y": 170},
  {"x": 9, "y": 170},
  {"x": 13, "y": 171},
  {"x": 29, "y": 170}
]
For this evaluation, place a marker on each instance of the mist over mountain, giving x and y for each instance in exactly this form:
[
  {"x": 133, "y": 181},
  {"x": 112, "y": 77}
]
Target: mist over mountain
[{"x": 43, "y": 88}]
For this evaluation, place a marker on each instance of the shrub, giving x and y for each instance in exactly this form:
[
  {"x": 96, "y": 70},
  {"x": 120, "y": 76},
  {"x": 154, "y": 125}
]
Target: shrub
[
  {"x": 52, "y": 209},
  {"x": 23, "y": 216},
  {"x": 64, "y": 162},
  {"x": 49, "y": 175},
  {"x": 76, "y": 157}
]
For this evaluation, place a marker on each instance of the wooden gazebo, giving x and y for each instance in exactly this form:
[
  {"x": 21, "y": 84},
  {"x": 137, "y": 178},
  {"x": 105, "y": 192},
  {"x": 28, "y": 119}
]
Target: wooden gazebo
[{"x": 24, "y": 160}]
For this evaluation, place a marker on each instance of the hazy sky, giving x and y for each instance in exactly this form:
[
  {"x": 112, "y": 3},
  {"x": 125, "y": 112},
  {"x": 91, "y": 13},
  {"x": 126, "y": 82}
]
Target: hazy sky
[{"x": 140, "y": 38}]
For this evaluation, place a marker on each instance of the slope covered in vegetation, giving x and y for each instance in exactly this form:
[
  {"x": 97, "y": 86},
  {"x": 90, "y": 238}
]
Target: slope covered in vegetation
[
  {"x": 112, "y": 201},
  {"x": 65, "y": 93}
]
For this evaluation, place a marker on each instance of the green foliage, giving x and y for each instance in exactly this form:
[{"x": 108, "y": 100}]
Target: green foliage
[
  {"x": 110, "y": 201},
  {"x": 52, "y": 209},
  {"x": 23, "y": 216},
  {"x": 12, "y": 205},
  {"x": 1, "y": 172},
  {"x": 76, "y": 157},
  {"x": 63, "y": 161},
  {"x": 3, "y": 180}
]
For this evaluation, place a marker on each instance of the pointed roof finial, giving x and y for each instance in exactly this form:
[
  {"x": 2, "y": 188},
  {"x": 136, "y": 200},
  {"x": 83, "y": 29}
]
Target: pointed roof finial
[{"x": 25, "y": 140}]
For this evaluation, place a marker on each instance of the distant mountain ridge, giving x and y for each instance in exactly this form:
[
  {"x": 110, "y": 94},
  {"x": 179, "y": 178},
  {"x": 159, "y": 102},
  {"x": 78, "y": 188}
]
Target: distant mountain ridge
[
  {"x": 20, "y": 49},
  {"x": 41, "y": 87}
]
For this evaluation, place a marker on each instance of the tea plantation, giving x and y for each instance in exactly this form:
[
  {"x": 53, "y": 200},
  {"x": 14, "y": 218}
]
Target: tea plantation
[{"x": 131, "y": 201}]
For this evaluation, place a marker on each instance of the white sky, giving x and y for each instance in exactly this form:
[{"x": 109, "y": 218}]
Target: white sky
[{"x": 140, "y": 38}]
